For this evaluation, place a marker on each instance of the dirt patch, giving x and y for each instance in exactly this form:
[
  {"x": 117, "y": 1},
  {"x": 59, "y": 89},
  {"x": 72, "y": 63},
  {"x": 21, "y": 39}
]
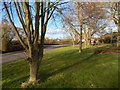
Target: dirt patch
[
  {"x": 103, "y": 45},
  {"x": 111, "y": 51},
  {"x": 115, "y": 49}
]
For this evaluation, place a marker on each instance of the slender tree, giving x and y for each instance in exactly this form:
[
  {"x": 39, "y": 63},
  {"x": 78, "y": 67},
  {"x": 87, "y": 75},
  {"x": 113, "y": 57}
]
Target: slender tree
[
  {"x": 85, "y": 21},
  {"x": 34, "y": 18},
  {"x": 115, "y": 16},
  {"x": 73, "y": 20},
  {"x": 6, "y": 34}
]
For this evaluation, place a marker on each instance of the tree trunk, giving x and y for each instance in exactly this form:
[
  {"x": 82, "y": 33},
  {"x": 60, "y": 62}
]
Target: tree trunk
[
  {"x": 89, "y": 39},
  {"x": 34, "y": 67},
  {"x": 34, "y": 64},
  {"x": 85, "y": 43},
  {"x": 80, "y": 47},
  {"x": 73, "y": 43},
  {"x": 118, "y": 36},
  {"x": 89, "y": 42},
  {"x": 118, "y": 41}
]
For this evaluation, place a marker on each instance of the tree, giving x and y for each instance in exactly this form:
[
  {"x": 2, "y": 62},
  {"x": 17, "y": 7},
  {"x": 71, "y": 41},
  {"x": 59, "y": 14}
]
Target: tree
[
  {"x": 95, "y": 20},
  {"x": 7, "y": 34},
  {"x": 80, "y": 18},
  {"x": 71, "y": 35},
  {"x": 73, "y": 20},
  {"x": 114, "y": 10},
  {"x": 115, "y": 16},
  {"x": 34, "y": 18},
  {"x": 85, "y": 21}
]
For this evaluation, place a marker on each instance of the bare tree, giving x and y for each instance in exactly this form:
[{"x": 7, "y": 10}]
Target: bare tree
[
  {"x": 115, "y": 16},
  {"x": 95, "y": 20},
  {"x": 85, "y": 19},
  {"x": 73, "y": 20},
  {"x": 34, "y": 19},
  {"x": 6, "y": 34},
  {"x": 114, "y": 9},
  {"x": 71, "y": 33},
  {"x": 80, "y": 18}
]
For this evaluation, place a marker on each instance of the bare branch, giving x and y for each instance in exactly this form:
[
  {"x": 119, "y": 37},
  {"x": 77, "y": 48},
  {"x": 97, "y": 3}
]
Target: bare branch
[
  {"x": 17, "y": 33},
  {"x": 20, "y": 17}
]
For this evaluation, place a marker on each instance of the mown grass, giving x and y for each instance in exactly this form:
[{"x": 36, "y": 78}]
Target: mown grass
[{"x": 66, "y": 68}]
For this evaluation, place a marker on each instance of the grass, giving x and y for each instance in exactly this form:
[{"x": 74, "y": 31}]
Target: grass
[{"x": 66, "y": 68}]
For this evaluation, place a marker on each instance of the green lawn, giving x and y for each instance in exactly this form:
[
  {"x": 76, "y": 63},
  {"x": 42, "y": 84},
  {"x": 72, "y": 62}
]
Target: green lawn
[{"x": 66, "y": 68}]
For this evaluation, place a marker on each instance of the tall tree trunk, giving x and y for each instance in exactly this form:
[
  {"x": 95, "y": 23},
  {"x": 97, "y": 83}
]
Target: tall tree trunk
[
  {"x": 34, "y": 66},
  {"x": 118, "y": 37},
  {"x": 73, "y": 43},
  {"x": 89, "y": 39},
  {"x": 80, "y": 47},
  {"x": 85, "y": 37},
  {"x": 89, "y": 42},
  {"x": 118, "y": 42}
]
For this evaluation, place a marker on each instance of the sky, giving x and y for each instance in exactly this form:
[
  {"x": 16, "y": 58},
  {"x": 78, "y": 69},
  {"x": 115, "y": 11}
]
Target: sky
[{"x": 54, "y": 28}]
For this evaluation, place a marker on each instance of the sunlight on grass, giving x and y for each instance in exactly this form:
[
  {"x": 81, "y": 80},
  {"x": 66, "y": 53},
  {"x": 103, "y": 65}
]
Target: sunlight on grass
[{"x": 66, "y": 68}]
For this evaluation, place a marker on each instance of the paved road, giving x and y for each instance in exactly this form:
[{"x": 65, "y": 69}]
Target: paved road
[{"x": 17, "y": 55}]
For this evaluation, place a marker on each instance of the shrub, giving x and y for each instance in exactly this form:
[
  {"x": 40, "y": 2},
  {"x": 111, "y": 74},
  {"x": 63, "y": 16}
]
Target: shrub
[
  {"x": 101, "y": 40},
  {"x": 107, "y": 40}
]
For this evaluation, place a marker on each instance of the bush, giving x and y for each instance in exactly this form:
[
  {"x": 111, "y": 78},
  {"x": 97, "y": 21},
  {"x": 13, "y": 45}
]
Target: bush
[
  {"x": 16, "y": 47},
  {"x": 15, "y": 42},
  {"x": 101, "y": 40},
  {"x": 6, "y": 35},
  {"x": 11, "y": 47},
  {"x": 108, "y": 40}
]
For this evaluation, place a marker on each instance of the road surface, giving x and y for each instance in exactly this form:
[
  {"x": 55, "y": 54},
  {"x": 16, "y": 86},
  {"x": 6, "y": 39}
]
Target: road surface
[{"x": 17, "y": 55}]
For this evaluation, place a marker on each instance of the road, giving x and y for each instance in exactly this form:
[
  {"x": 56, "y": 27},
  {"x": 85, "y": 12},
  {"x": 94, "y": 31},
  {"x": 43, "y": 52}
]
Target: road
[{"x": 17, "y": 55}]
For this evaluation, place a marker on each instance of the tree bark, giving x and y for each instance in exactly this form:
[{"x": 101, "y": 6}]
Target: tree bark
[
  {"x": 89, "y": 42},
  {"x": 34, "y": 67},
  {"x": 80, "y": 47},
  {"x": 34, "y": 64},
  {"x": 85, "y": 38},
  {"x": 73, "y": 43}
]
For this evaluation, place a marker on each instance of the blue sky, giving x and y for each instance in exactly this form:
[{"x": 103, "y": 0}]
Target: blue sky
[{"x": 54, "y": 28}]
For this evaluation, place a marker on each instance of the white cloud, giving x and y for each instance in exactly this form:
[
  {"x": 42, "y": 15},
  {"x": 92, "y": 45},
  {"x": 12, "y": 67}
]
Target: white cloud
[{"x": 55, "y": 31}]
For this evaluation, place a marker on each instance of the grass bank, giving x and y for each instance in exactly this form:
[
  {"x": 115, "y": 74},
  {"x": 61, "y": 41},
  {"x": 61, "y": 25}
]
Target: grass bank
[{"x": 66, "y": 68}]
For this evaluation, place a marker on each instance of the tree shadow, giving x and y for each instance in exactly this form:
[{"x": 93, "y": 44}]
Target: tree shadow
[
  {"x": 45, "y": 76},
  {"x": 16, "y": 82}
]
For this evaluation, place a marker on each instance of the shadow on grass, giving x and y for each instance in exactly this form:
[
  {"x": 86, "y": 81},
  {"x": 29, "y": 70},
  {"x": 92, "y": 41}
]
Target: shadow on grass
[
  {"x": 44, "y": 76},
  {"x": 15, "y": 82},
  {"x": 97, "y": 51}
]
